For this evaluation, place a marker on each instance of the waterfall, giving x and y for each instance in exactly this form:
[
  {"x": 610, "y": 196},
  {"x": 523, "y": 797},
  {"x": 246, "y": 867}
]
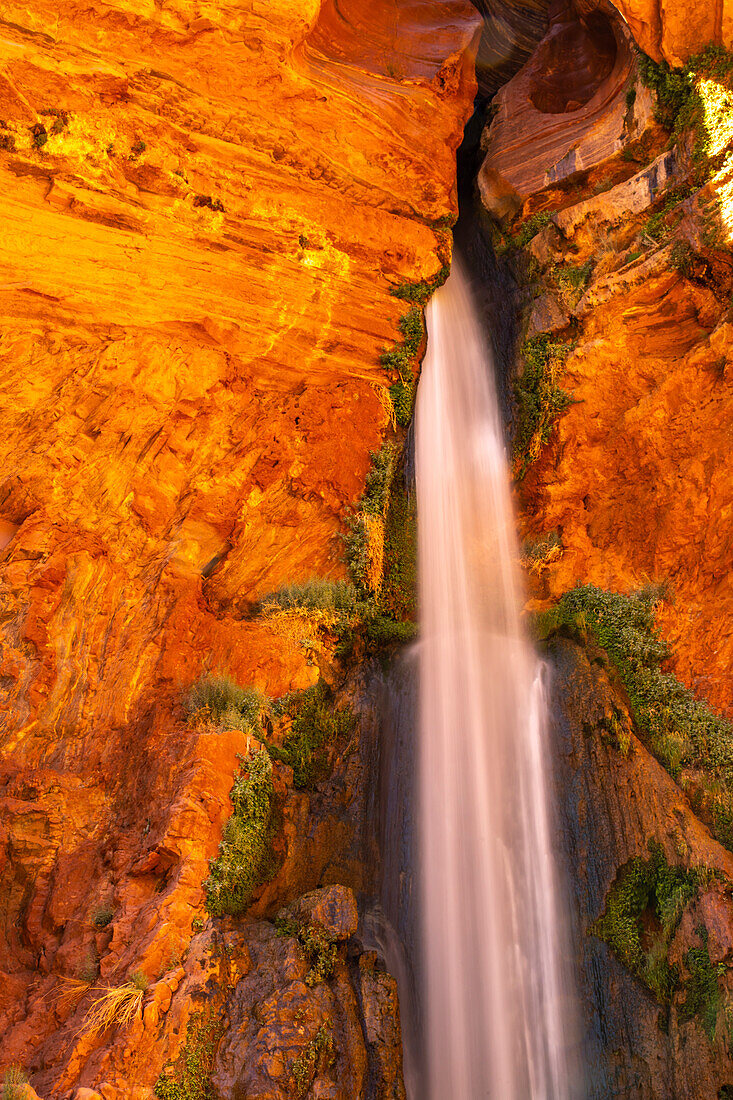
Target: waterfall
[{"x": 496, "y": 1000}]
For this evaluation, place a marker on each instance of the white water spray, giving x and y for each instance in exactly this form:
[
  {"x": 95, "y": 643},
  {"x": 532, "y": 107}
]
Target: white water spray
[{"x": 496, "y": 999}]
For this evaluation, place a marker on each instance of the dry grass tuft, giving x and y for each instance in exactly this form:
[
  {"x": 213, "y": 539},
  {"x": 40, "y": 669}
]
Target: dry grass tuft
[
  {"x": 115, "y": 1005},
  {"x": 72, "y": 991}
]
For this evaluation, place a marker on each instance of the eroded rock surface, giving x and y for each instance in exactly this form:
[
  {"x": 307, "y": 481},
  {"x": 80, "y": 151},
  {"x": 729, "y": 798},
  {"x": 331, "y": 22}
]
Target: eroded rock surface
[
  {"x": 614, "y": 803},
  {"x": 203, "y": 216}
]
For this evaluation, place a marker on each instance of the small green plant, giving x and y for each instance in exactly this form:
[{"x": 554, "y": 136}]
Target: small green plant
[
  {"x": 209, "y": 202},
  {"x": 102, "y": 916},
  {"x": 537, "y": 554},
  {"x": 189, "y": 1077},
  {"x": 318, "y": 1055},
  {"x": 197, "y": 925},
  {"x": 681, "y": 258},
  {"x": 39, "y": 135},
  {"x": 245, "y": 858},
  {"x": 571, "y": 281},
  {"x": 318, "y": 946},
  {"x": 316, "y": 725},
  {"x": 643, "y": 910},
  {"x": 137, "y": 149},
  {"x": 14, "y": 1085},
  {"x": 530, "y": 228},
  {"x": 539, "y": 398},
  {"x": 401, "y": 359},
  {"x": 60, "y": 119}
]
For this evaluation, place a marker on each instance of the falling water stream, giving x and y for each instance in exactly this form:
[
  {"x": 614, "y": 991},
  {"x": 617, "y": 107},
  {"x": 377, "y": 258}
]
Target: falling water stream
[{"x": 496, "y": 1015}]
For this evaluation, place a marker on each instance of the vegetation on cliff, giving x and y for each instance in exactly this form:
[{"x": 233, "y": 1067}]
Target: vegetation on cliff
[
  {"x": 245, "y": 853},
  {"x": 310, "y": 724},
  {"x": 643, "y": 910},
  {"x": 696, "y": 98},
  {"x": 189, "y": 1077},
  {"x": 694, "y": 744},
  {"x": 539, "y": 398}
]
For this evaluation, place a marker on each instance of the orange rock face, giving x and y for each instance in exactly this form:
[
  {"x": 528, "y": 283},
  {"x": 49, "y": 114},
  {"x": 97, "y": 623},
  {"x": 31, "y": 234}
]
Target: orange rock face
[
  {"x": 670, "y": 31},
  {"x": 203, "y": 214}
]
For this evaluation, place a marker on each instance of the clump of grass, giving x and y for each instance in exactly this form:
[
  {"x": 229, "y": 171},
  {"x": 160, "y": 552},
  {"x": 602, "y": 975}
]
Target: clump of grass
[
  {"x": 316, "y": 724},
  {"x": 245, "y": 858},
  {"x": 72, "y": 991},
  {"x": 690, "y": 741},
  {"x": 539, "y": 398},
  {"x": 102, "y": 916},
  {"x": 318, "y": 1055},
  {"x": 317, "y": 610},
  {"x": 643, "y": 910},
  {"x": 114, "y": 1006},
  {"x": 15, "y": 1084},
  {"x": 189, "y": 1077},
  {"x": 219, "y": 700}
]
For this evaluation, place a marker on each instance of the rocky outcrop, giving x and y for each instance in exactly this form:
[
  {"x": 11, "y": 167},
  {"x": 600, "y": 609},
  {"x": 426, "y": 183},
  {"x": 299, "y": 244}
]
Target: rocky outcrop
[
  {"x": 565, "y": 111},
  {"x": 617, "y": 800},
  {"x": 670, "y": 31},
  {"x": 203, "y": 216}
]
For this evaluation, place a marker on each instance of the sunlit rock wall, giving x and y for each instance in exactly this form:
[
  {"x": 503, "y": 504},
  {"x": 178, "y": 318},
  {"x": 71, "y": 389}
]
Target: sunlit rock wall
[{"x": 203, "y": 212}]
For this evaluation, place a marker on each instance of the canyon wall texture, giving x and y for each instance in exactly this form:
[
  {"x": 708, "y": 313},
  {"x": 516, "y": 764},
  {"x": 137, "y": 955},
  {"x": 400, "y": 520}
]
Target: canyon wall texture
[
  {"x": 610, "y": 202},
  {"x": 204, "y": 212}
]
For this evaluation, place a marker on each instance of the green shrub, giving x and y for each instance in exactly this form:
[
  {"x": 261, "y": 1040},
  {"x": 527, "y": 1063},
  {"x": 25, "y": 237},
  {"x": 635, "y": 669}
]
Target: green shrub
[
  {"x": 702, "y": 993},
  {"x": 530, "y": 228},
  {"x": 189, "y": 1077},
  {"x": 672, "y": 89},
  {"x": 571, "y": 281},
  {"x": 643, "y": 910},
  {"x": 402, "y": 396},
  {"x": 245, "y": 858},
  {"x": 218, "y": 699},
  {"x": 316, "y": 725},
  {"x": 101, "y": 917},
  {"x": 698, "y": 98},
  {"x": 419, "y": 293},
  {"x": 381, "y": 543},
  {"x": 539, "y": 398}
]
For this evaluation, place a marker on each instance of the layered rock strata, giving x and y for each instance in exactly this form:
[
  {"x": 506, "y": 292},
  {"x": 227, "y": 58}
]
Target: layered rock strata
[{"x": 203, "y": 216}]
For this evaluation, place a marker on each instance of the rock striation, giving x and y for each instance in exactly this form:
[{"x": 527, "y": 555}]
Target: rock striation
[{"x": 204, "y": 213}]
